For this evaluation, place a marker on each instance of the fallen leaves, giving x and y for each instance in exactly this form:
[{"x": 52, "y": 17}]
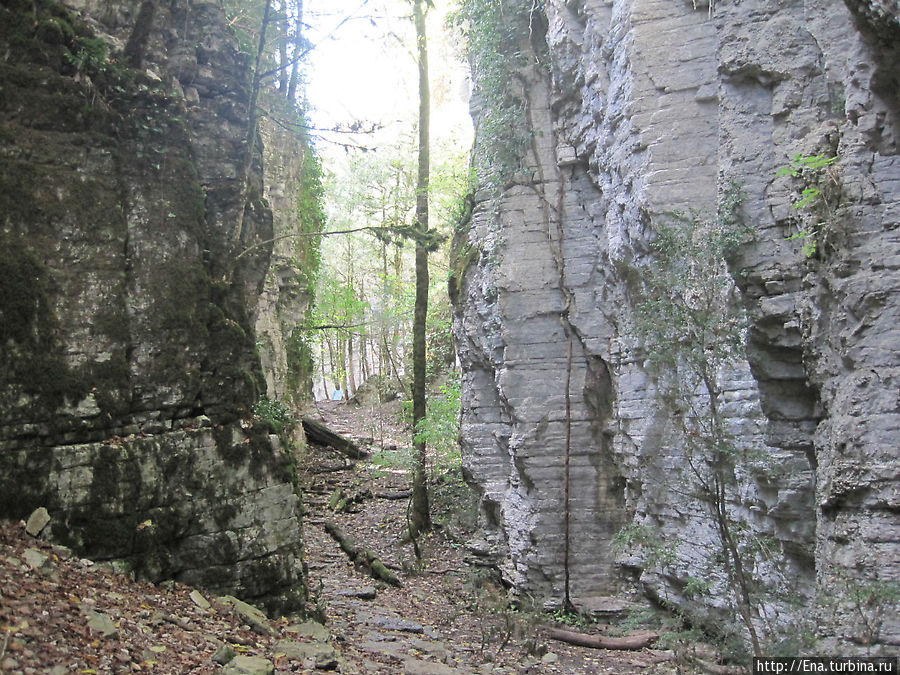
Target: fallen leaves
[{"x": 75, "y": 616}]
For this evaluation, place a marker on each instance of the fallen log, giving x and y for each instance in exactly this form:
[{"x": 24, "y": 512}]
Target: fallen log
[
  {"x": 318, "y": 433},
  {"x": 342, "y": 502},
  {"x": 361, "y": 556},
  {"x": 395, "y": 496},
  {"x": 627, "y": 642}
]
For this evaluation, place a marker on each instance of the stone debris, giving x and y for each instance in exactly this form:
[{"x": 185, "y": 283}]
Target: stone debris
[
  {"x": 249, "y": 665},
  {"x": 251, "y": 615},
  {"x": 36, "y": 560},
  {"x": 198, "y": 599},
  {"x": 37, "y": 521},
  {"x": 312, "y": 654},
  {"x": 100, "y": 623},
  {"x": 310, "y": 629}
]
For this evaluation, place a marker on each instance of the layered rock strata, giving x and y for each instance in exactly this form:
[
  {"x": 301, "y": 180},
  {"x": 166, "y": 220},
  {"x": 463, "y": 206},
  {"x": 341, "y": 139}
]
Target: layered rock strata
[
  {"x": 128, "y": 193},
  {"x": 650, "y": 107}
]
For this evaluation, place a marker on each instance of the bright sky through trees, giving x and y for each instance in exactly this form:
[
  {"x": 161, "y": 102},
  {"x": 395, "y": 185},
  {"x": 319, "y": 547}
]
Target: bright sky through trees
[{"x": 363, "y": 69}]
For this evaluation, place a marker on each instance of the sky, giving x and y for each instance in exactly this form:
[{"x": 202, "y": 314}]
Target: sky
[{"x": 363, "y": 69}]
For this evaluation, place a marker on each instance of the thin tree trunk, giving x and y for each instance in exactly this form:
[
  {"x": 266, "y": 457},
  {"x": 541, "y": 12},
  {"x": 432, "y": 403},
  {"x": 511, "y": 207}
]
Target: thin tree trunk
[
  {"x": 420, "y": 512},
  {"x": 298, "y": 38},
  {"x": 322, "y": 368},
  {"x": 282, "y": 48},
  {"x": 351, "y": 375},
  {"x": 331, "y": 362}
]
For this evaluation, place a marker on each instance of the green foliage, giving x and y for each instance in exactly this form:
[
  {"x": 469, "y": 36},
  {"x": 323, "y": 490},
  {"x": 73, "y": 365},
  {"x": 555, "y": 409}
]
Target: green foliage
[
  {"x": 572, "y": 619},
  {"x": 400, "y": 459},
  {"x": 300, "y": 364},
  {"x": 687, "y": 316},
  {"x": 655, "y": 551},
  {"x": 495, "y": 37},
  {"x": 694, "y": 329},
  {"x": 276, "y": 415},
  {"x": 819, "y": 197},
  {"x": 439, "y": 429},
  {"x": 695, "y": 586},
  {"x": 90, "y": 55},
  {"x": 868, "y": 602}
]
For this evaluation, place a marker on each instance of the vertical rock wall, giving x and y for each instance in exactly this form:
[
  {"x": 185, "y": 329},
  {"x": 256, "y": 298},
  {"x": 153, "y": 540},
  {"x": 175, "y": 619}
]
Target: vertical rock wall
[
  {"x": 652, "y": 106},
  {"x": 292, "y": 191},
  {"x": 128, "y": 192}
]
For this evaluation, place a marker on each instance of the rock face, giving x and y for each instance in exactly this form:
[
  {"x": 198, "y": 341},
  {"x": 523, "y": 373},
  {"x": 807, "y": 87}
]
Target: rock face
[
  {"x": 637, "y": 108},
  {"x": 127, "y": 193},
  {"x": 291, "y": 175}
]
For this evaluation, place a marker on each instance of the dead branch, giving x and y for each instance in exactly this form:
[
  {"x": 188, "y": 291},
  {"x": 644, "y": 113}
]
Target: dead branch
[{"x": 361, "y": 556}]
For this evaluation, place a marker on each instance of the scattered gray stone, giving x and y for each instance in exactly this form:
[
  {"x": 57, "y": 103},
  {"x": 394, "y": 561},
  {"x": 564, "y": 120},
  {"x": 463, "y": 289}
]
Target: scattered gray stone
[
  {"x": 249, "y": 665},
  {"x": 310, "y": 629},
  {"x": 604, "y": 607},
  {"x": 549, "y": 658},
  {"x": 321, "y": 656},
  {"x": 252, "y": 616},
  {"x": 100, "y": 623},
  {"x": 37, "y": 560},
  {"x": 433, "y": 648},
  {"x": 224, "y": 654},
  {"x": 417, "y": 667},
  {"x": 396, "y": 623},
  {"x": 364, "y": 593},
  {"x": 198, "y": 599},
  {"x": 378, "y": 643},
  {"x": 37, "y": 521}
]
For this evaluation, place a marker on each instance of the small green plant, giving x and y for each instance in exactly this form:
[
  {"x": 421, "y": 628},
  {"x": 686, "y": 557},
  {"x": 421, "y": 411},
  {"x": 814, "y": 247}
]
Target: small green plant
[
  {"x": 695, "y": 587},
  {"x": 90, "y": 55},
  {"x": 386, "y": 460},
  {"x": 868, "y": 603},
  {"x": 275, "y": 414},
  {"x": 655, "y": 552},
  {"x": 816, "y": 198},
  {"x": 439, "y": 429}
]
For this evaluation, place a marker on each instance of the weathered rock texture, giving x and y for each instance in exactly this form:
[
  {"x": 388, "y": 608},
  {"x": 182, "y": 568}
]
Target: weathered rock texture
[
  {"x": 127, "y": 192},
  {"x": 292, "y": 191},
  {"x": 651, "y": 106}
]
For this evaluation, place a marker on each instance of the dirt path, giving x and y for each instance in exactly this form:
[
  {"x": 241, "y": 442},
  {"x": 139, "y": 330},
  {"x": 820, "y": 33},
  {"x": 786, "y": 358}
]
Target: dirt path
[
  {"x": 442, "y": 620},
  {"x": 60, "y": 614}
]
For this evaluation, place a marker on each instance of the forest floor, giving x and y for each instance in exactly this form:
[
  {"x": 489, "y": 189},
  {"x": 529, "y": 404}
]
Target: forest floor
[
  {"x": 60, "y": 614},
  {"x": 450, "y": 615}
]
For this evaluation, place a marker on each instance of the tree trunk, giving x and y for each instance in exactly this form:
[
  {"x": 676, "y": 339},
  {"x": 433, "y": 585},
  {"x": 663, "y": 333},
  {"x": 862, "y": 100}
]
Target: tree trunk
[
  {"x": 298, "y": 38},
  {"x": 351, "y": 372},
  {"x": 420, "y": 512},
  {"x": 322, "y": 368},
  {"x": 282, "y": 49}
]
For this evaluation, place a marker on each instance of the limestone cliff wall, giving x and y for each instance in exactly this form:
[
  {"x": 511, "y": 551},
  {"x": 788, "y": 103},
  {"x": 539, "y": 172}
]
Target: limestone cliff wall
[
  {"x": 127, "y": 193},
  {"x": 292, "y": 189},
  {"x": 636, "y": 108}
]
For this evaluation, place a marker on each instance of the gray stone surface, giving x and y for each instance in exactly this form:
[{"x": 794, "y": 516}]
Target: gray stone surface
[
  {"x": 249, "y": 665},
  {"x": 649, "y": 107},
  {"x": 37, "y": 521},
  {"x": 127, "y": 329}
]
